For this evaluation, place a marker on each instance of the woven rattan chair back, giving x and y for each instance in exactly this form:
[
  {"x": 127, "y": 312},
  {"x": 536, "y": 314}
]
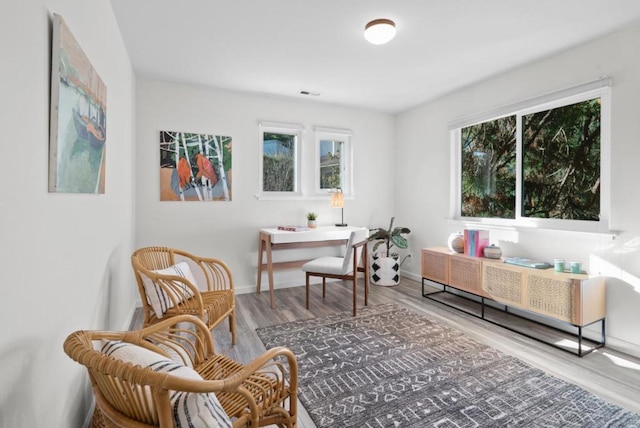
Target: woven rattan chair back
[{"x": 213, "y": 298}]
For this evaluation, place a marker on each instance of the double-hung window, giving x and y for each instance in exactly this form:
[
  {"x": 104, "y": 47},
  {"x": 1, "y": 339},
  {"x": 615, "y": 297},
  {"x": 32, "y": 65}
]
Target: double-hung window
[
  {"x": 280, "y": 152},
  {"x": 333, "y": 160},
  {"x": 543, "y": 163}
]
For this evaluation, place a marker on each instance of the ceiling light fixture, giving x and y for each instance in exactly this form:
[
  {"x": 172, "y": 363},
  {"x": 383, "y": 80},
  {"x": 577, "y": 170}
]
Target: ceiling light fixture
[{"x": 380, "y": 31}]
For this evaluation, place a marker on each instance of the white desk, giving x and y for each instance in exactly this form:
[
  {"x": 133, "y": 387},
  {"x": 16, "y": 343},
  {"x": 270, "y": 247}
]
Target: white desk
[{"x": 273, "y": 239}]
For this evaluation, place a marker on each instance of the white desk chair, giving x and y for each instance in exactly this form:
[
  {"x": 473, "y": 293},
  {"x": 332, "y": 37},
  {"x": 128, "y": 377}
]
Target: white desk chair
[{"x": 345, "y": 268}]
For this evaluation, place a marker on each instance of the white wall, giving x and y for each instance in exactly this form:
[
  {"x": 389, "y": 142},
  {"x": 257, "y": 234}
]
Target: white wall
[
  {"x": 229, "y": 230},
  {"x": 65, "y": 257},
  {"x": 423, "y": 156}
]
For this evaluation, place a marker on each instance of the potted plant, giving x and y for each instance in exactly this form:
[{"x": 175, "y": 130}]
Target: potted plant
[
  {"x": 385, "y": 266},
  {"x": 311, "y": 220}
]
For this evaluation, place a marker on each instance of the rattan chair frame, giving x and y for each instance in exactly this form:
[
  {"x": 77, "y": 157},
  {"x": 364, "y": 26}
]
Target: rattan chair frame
[
  {"x": 127, "y": 395},
  {"x": 212, "y": 305}
]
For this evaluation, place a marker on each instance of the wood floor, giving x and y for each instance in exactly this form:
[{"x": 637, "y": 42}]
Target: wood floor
[{"x": 608, "y": 374}]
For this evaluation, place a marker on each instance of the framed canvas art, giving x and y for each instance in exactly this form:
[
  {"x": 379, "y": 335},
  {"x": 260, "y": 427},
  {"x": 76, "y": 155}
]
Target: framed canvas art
[
  {"x": 194, "y": 167},
  {"x": 78, "y": 125}
]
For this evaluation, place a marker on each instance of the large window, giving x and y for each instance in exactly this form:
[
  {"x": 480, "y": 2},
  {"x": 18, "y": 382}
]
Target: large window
[
  {"x": 333, "y": 160},
  {"x": 543, "y": 164},
  {"x": 280, "y": 163}
]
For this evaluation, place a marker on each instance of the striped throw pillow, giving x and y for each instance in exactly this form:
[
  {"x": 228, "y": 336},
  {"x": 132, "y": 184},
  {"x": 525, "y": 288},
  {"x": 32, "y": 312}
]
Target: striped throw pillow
[
  {"x": 190, "y": 409},
  {"x": 158, "y": 298}
]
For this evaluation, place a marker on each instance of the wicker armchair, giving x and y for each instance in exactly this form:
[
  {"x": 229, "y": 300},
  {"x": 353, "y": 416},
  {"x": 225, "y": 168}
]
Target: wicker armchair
[
  {"x": 212, "y": 299},
  {"x": 128, "y": 395}
]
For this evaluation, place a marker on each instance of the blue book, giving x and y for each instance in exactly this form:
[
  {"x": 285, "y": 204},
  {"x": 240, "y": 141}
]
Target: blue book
[{"x": 521, "y": 261}]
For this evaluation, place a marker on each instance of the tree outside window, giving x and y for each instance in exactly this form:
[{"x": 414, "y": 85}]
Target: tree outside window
[
  {"x": 278, "y": 162},
  {"x": 559, "y": 172},
  {"x": 333, "y": 160},
  {"x": 280, "y": 149},
  {"x": 330, "y": 164},
  {"x": 561, "y": 162},
  {"x": 489, "y": 169}
]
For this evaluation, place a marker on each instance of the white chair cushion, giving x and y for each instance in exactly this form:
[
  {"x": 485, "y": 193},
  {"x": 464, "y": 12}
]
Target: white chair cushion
[
  {"x": 160, "y": 300},
  {"x": 330, "y": 265},
  {"x": 190, "y": 409}
]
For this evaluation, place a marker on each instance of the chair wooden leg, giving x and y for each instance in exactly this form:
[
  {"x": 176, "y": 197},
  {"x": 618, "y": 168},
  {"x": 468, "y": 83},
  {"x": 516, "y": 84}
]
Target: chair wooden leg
[
  {"x": 366, "y": 288},
  {"x": 355, "y": 290},
  {"x": 324, "y": 287},
  {"x": 307, "y": 290},
  {"x": 365, "y": 258},
  {"x": 232, "y": 326}
]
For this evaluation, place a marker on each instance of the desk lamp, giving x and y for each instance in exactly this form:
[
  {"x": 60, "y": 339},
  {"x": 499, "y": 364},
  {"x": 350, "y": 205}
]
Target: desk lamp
[{"x": 337, "y": 201}]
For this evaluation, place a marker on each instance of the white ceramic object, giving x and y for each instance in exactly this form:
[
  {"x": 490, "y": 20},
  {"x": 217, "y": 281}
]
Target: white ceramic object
[{"x": 456, "y": 242}]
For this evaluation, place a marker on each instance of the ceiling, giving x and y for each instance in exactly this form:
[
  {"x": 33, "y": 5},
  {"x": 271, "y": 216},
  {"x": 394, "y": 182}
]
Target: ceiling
[{"x": 282, "y": 47}]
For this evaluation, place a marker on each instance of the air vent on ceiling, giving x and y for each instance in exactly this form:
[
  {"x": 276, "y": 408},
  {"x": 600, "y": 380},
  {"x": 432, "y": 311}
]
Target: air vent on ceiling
[{"x": 311, "y": 94}]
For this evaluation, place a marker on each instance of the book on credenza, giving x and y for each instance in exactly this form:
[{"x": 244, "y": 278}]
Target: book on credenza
[{"x": 294, "y": 228}]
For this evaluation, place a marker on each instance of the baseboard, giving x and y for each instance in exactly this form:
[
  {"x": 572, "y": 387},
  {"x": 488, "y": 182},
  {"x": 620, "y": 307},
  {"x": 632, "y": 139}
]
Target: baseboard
[
  {"x": 251, "y": 288},
  {"x": 132, "y": 311},
  {"x": 623, "y": 346},
  {"x": 410, "y": 275}
]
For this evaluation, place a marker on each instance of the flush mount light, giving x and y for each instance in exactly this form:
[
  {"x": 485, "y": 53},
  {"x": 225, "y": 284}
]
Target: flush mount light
[{"x": 380, "y": 31}]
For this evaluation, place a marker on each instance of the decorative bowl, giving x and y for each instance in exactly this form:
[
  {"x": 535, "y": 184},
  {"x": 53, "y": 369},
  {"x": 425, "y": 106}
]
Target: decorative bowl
[{"x": 492, "y": 251}]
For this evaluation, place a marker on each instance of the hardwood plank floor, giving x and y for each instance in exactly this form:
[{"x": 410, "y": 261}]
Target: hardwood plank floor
[{"x": 608, "y": 374}]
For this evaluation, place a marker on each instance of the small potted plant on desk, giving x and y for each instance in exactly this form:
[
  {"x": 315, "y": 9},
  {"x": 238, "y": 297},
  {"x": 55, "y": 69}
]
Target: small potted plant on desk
[
  {"x": 385, "y": 266},
  {"x": 311, "y": 220}
]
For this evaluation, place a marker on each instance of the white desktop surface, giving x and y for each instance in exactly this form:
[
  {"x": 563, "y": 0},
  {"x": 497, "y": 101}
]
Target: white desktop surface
[{"x": 321, "y": 233}]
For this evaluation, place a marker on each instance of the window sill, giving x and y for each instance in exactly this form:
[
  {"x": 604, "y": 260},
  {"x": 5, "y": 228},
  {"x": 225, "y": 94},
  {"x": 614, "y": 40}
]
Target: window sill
[
  {"x": 298, "y": 197},
  {"x": 470, "y": 224}
]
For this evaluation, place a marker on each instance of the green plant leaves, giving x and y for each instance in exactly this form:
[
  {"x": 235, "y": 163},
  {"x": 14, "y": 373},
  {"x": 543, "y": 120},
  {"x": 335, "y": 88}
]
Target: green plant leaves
[{"x": 399, "y": 241}]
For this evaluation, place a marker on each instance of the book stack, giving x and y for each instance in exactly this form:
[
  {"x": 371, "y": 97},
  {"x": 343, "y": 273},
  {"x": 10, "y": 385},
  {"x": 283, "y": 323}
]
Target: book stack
[
  {"x": 293, "y": 228},
  {"x": 475, "y": 241}
]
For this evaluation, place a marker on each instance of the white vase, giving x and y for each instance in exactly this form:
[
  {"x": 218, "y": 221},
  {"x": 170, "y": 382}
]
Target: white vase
[
  {"x": 385, "y": 271},
  {"x": 311, "y": 224},
  {"x": 456, "y": 242}
]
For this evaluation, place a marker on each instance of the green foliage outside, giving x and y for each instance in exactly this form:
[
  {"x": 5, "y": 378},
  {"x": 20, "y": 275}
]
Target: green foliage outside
[
  {"x": 278, "y": 162},
  {"x": 560, "y": 162},
  {"x": 489, "y": 169},
  {"x": 330, "y": 171}
]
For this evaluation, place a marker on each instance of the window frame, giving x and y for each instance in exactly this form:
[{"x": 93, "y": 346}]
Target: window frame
[
  {"x": 598, "y": 89},
  {"x": 281, "y": 128},
  {"x": 346, "y": 159}
]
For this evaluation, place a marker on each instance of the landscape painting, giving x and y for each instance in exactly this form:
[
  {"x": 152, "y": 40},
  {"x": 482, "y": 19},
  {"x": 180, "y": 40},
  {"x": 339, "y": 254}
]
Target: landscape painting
[
  {"x": 78, "y": 128},
  {"x": 194, "y": 167}
]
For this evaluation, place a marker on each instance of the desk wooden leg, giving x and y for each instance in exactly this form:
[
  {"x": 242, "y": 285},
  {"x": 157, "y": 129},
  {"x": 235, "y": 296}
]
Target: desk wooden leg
[
  {"x": 270, "y": 274},
  {"x": 264, "y": 243},
  {"x": 261, "y": 244}
]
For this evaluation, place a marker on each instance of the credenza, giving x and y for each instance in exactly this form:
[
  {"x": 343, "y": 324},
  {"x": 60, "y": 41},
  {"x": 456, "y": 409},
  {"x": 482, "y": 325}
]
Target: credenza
[{"x": 574, "y": 299}]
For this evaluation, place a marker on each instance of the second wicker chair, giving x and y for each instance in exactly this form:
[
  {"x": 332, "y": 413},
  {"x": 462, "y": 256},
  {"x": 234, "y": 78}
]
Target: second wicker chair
[{"x": 173, "y": 282}]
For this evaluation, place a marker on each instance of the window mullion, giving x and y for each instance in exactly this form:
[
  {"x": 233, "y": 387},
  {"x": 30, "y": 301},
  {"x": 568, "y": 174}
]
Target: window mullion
[{"x": 519, "y": 171}]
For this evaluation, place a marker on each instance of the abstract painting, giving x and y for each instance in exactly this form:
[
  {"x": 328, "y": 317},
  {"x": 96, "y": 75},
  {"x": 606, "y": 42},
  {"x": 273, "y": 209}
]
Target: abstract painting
[
  {"x": 78, "y": 127},
  {"x": 194, "y": 167}
]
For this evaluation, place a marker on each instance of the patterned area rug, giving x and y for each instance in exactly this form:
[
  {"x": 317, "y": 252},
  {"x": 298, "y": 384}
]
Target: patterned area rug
[{"x": 393, "y": 367}]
